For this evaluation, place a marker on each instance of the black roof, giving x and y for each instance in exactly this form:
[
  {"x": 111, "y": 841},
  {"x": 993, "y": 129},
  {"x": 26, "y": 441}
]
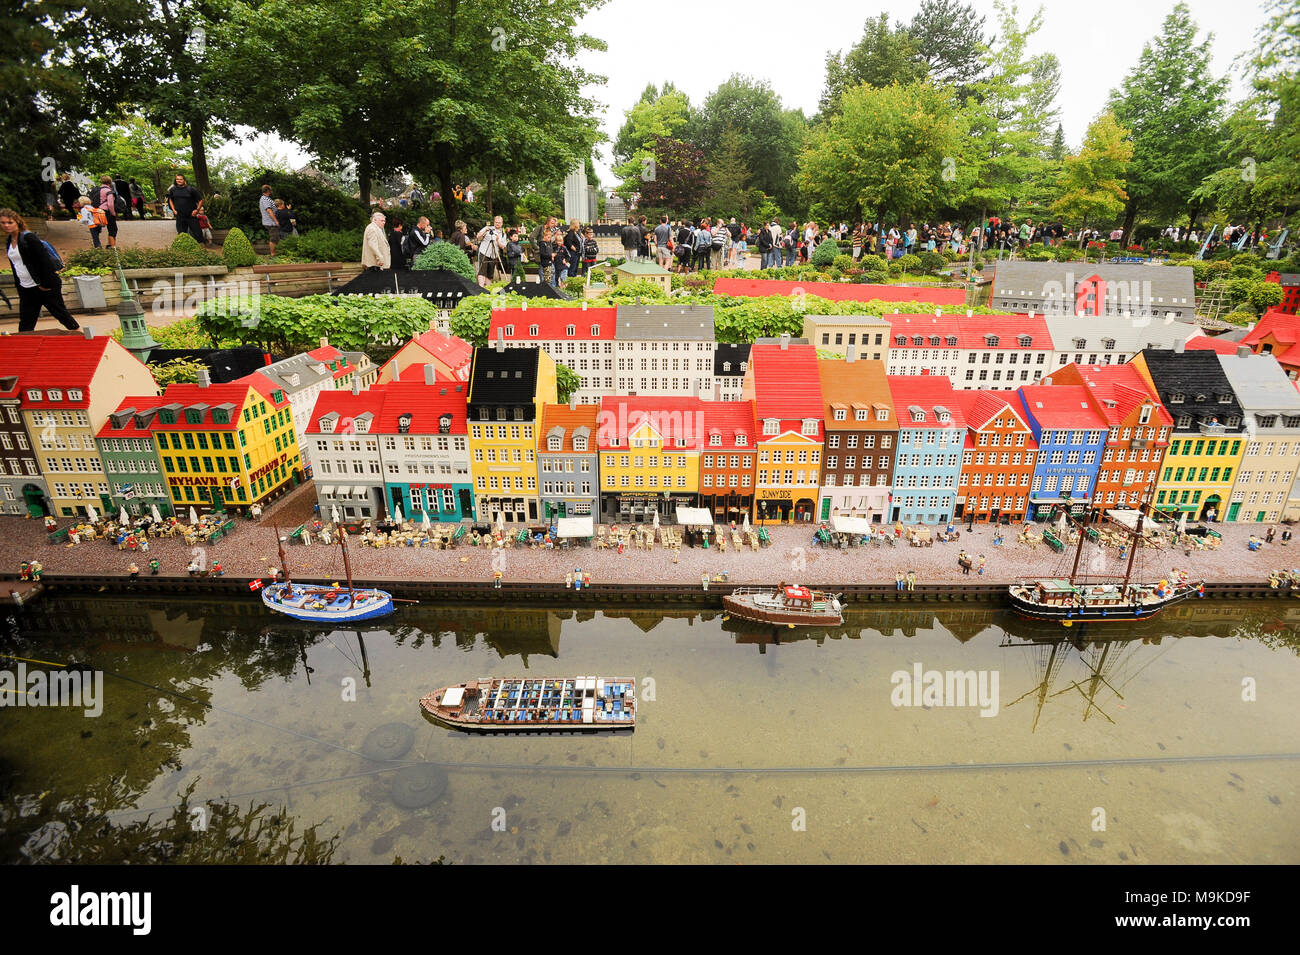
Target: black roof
[
  {"x": 433, "y": 284},
  {"x": 224, "y": 364},
  {"x": 726, "y": 352},
  {"x": 1198, "y": 378},
  {"x": 534, "y": 290},
  {"x": 503, "y": 378}
]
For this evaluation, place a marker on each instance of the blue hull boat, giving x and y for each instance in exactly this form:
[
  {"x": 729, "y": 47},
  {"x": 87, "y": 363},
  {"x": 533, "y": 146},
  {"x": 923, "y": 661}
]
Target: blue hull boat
[{"x": 317, "y": 604}]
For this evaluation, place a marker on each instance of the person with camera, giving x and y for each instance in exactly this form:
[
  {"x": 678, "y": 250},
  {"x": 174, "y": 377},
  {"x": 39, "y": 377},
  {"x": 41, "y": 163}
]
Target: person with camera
[{"x": 491, "y": 243}]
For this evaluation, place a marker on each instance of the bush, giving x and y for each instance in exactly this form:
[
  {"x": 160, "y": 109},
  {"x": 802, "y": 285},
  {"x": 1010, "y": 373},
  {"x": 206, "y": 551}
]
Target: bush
[
  {"x": 870, "y": 261},
  {"x": 824, "y": 255},
  {"x": 894, "y": 267},
  {"x": 444, "y": 255},
  {"x": 875, "y": 277},
  {"x": 315, "y": 205},
  {"x": 1245, "y": 270},
  {"x": 97, "y": 260},
  {"x": 237, "y": 251},
  {"x": 843, "y": 262},
  {"x": 575, "y": 284},
  {"x": 932, "y": 262},
  {"x": 321, "y": 246},
  {"x": 909, "y": 263},
  {"x": 185, "y": 243},
  {"x": 1240, "y": 317}
]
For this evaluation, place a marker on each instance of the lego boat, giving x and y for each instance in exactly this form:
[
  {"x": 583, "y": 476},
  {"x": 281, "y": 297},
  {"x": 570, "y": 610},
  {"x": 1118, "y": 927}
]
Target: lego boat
[{"x": 580, "y": 704}]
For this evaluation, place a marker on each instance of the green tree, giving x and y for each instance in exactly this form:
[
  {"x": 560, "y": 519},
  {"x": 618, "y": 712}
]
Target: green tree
[
  {"x": 158, "y": 57},
  {"x": 1172, "y": 104},
  {"x": 667, "y": 114},
  {"x": 885, "y": 153},
  {"x": 1005, "y": 150},
  {"x": 768, "y": 135},
  {"x": 885, "y": 55},
  {"x": 566, "y": 382},
  {"x": 1092, "y": 181},
  {"x": 730, "y": 176},
  {"x": 136, "y": 148},
  {"x": 680, "y": 181},
  {"x": 948, "y": 36}
]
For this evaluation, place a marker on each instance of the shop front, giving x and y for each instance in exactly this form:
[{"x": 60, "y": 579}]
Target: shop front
[
  {"x": 726, "y": 508},
  {"x": 641, "y": 507},
  {"x": 442, "y": 502},
  {"x": 784, "y": 506},
  {"x": 871, "y": 503},
  {"x": 514, "y": 510},
  {"x": 1041, "y": 508}
]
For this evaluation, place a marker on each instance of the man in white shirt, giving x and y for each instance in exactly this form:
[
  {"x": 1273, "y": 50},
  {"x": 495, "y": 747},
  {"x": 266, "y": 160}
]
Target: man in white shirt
[
  {"x": 374, "y": 245},
  {"x": 266, "y": 205}
]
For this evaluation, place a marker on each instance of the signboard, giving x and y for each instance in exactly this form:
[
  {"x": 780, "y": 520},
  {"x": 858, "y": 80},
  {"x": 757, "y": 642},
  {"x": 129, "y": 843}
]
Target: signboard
[
  {"x": 775, "y": 494},
  {"x": 128, "y": 491}
]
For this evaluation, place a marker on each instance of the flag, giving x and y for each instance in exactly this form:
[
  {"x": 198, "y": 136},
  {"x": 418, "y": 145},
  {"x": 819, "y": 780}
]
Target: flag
[
  {"x": 234, "y": 482},
  {"x": 255, "y": 585}
]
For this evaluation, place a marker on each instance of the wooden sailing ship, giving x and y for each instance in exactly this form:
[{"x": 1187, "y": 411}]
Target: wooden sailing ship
[
  {"x": 320, "y": 603},
  {"x": 790, "y": 605},
  {"x": 1076, "y": 599},
  {"x": 579, "y": 704}
]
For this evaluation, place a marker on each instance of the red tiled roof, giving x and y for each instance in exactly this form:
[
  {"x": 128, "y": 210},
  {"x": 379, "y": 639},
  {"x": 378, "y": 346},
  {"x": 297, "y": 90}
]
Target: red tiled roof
[
  {"x": 672, "y": 418},
  {"x": 552, "y": 324},
  {"x": 562, "y": 416},
  {"x": 425, "y": 403},
  {"x": 841, "y": 291},
  {"x": 925, "y": 392},
  {"x": 787, "y": 384},
  {"x": 453, "y": 352},
  {"x": 346, "y": 405},
  {"x": 1061, "y": 406},
  {"x": 1120, "y": 385},
  {"x": 327, "y": 354},
  {"x": 728, "y": 418},
  {"x": 1282, "y": 327},
  {"x": 981, "y": 407},
  {"x": 970, "y": 331},
  {"x": 1212, "y": 343},
  {"x": 234, "y": 393},
  {"x": 54, "y": 361}
]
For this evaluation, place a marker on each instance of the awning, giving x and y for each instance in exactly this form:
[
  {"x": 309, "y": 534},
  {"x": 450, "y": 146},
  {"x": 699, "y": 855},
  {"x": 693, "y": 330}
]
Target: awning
[
  {"x": 850, "y": 525},
  {"x": 574, "y": 527},
  {"x": 694, "y": 517},
  {"x": 327, "y": 491}
]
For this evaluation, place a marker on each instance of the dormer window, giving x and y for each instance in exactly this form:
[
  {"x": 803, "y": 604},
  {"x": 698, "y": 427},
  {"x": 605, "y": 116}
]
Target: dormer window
[
  {"x": 1108, "y": 344},
  {"x": 918, "y": 414},
  {"x": 771, "y": 425},
  {"x": 553, "y": 443},
  {"x": 809, "y": 426},
  {"x": 1232, "y": 421},
  {"x": 1145, "y": 416},
  {"x": 918, "y": 340},
  {"x": 1025, "y": 341},
  {"x": 444, "y": 424},
  {"x": 580, "y": 442},
  {"x": 56, "y": 394},
  {"x": 34, "y": 394},
  {"x": 501, "y": 414},
  {"x": 742, "y": 439},
  {"x": 277, "y": 396},
  {"x": 519, "y": 414},
  {"x": 951, "y": 341},
  {"x": 362, "y": 425},
  {"x": 1225, "y": 399},
  {"x": 860, "y": 414},
  {"x": 1080, "y": 343},
  {"x": 882, "y": 414},
  {"x": 942, "y": 416},
  {"x": 1264, "y": 420},
  {"x": 193, "y": 417},
  {"x": 1177, "y": 398},
  {"x": 1184, "y": 421},
  {"x": 571, "y": 330},
  {"x": 326, "y": 425},
  {"x": 483, "y": 414},
  {"x": 595, "y": 331},
  {"x": 934, "y": 340},
  {"x": 74, "y": 394},
  {"x": 715, "y": 440},
  {"x": 991, "y": 341},
  {"x": 532, "y": 330},
  {"x": 898, "y": 340},
  {"x": 681, "y": 442},
  {"x": 1200, "y": 399},
  {"x": 510, "y": 331},
  {"x": 841, "y": 414},
  {"x": 726, "y": 367}
]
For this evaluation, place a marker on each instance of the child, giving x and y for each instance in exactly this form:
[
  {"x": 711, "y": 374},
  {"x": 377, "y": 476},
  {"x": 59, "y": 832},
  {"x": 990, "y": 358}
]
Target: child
[
  {"x": 545, "y": 271},
  {"x": 92, "y": 218},
  {"x": 590, "y": 249},
  {"x": 514, "y": 256},
  {"x": 205, "y": 226},
  {"x": 560, "y": 258}
]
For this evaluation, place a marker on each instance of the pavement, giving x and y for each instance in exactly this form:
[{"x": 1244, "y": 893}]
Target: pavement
[{"x": 792, "y": 557}]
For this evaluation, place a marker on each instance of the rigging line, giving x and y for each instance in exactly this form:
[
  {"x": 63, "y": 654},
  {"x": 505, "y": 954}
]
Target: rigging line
[{"x": 765, "y": 770}]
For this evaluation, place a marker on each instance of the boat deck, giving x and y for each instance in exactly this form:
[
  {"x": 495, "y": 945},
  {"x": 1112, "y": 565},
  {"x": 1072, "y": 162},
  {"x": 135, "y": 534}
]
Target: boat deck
[{"x": 581, "y": 702}]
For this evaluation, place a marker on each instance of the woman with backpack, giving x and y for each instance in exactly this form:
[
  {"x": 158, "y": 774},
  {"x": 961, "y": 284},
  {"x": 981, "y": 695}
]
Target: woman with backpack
[
  {"x": 36, "y": 267},
  {"x": 703, "y": 245},
  {"x": 106, "y": 199}
]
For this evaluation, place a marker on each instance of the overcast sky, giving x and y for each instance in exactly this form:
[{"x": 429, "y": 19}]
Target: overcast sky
[{"x": 698, "y": 45}]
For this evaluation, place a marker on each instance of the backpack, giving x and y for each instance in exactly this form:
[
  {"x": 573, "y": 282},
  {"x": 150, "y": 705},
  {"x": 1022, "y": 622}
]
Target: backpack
[
  {"x": 703, "y": 240},
  {"x": 54, "y": 255},
  {"x": 119, "y": 204},
  {"x": 787, "y": 240},
  {"x": 718, "y": 241},
  {"x": 97, "y": 216}
]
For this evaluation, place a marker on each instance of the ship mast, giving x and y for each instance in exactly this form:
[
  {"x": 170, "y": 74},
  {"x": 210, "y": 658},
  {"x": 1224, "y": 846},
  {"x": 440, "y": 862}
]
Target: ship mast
[
  {"x": 347, "y": 566},
  {"x": 1074, "y": 571},
  {"x": 1137, "y": 535},
  {"x": 284, "y": 561}
]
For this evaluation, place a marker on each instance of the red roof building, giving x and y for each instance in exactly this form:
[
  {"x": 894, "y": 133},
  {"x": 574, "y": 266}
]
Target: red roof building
[
  {"x": 1220, "y": 346},
  {"x": 785, "y": 385},
  {"x": 449, "y": 355},
  {"x": 1290, "y": 283},
  {"x": 976, "y": 352},
  {"x": 1138, "y": 428},
  {"x": 841, "y": 291},
  {"x": 727, "y": 464},
  {"x": 580, "y": 338},
  {"x": 931, "y": 436},
  {"x": 1277, "y": 334},
  {"x": 998, "y": 457}
]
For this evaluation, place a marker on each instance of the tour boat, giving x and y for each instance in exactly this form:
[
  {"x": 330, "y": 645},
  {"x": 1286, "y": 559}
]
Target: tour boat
[
  {"x": 792, "y": 605},
  {"x": 319, "y": 603},
  {"x": 1074, "y": 599},
  {"x": 584, "y": 703}
]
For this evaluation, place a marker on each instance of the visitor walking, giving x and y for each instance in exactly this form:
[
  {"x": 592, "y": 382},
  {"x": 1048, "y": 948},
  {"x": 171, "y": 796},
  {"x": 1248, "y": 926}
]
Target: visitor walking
[
  {"x": 36, "y": 273},
  {"x": 266, "y": 206},
  {"x": 105, "y": 198},
  {"x": 375, "y": 254},
  {"x": 137, "y": 197},
  {"x": 184, "y": 201},
  {"x": 397, "y": 246},
  {"x": 69, "y": 193}
]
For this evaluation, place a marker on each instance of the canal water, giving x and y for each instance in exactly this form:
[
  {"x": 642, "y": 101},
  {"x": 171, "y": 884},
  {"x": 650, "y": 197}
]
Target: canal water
[{"x": 1173, "y": 741}]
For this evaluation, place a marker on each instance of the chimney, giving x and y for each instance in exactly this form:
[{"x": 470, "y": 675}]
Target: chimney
[
  {"x": 524, "y": 306},
  {"x": 696, "y": 391},
  {"x": 785, "y": 341},
  {"x": 1243, "y": 351},
  {"x": 970, "y": 313},
  {"x": 205, "y": 378},
  {"x": 584, "y": 304},
  {"x": 717, "y": 391},
  {"x": 501, "y": 339},
  {"x": 938, "y": 312},
  {"x": 87, "y": 331},
  {"x": 266, "y": 358},
  {"x": 397, "y": 371},
  {"x": 573, "y": 401},
  {"x": 430, "y": 374},
  {"x": 324, "y": 341},
  {"x": 356, "y": 385},
  {"x": 1031, "y": 314},
  {"x": 851, "y": 353},
  {"x": 1179, "y": 347}
]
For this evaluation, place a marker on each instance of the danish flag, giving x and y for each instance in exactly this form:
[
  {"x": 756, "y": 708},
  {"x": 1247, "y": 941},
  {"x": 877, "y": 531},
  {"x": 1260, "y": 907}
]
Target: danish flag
[{"x": 255, "y": 584}]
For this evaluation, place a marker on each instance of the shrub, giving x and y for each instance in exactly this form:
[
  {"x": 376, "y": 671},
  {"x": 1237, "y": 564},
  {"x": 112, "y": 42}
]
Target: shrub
[
  {"x": 1245, "y": 270},
  {"x": 315, "y": 204},
  {"x": 185, "y": 243},
  {"x": 1240, "y": 317},
  {"x": 843, "y": 262},
  {"x": 322, "y": 246},
  {"x": 871, "y": 261},
  {"x": 444, "y": 255},
  {"x": 932, "y": 262},
  {"x": 824, "y": 255},
  {"x": 894, "y": 267},
  {"x": 97, "y": 260},
  {"x": 875, "y": 276},
  {"x": 909, "y": 263},
  {"x": 575, "y": 284},
  {"x": 237, "y": 251}
]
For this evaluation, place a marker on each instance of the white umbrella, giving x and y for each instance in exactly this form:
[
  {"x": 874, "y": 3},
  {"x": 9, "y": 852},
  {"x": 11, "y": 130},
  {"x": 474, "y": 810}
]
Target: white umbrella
[
  {"x": 424, "y": 520},
  {"x": 122, "y": 517},
  {"x": 1182, "y": 523},
  {"x": 1060, "y": 522},
  {"x": 334, "y": 513},
  {"x": 194, "y": 515},
  {"x": 92, "y": 514},
  {"x": 501, "y": 521},
  {"x": 656, "y": 522},
  {"x": 400, "y": 518},
  {"x": 746, "y": 524},
  {"x": 153, "y": 509}
]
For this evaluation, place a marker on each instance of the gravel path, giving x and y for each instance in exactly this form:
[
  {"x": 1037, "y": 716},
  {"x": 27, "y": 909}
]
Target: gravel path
[{"x": 251, "y": 550}]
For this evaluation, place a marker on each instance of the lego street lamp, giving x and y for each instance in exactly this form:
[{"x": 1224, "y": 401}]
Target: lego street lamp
[{"x": 130, "y": 315}]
